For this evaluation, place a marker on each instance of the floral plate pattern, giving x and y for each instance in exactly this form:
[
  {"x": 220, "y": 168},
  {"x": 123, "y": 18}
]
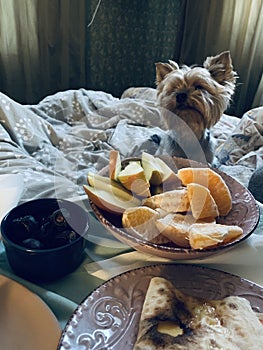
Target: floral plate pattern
[{"x": 108, "y": 318}]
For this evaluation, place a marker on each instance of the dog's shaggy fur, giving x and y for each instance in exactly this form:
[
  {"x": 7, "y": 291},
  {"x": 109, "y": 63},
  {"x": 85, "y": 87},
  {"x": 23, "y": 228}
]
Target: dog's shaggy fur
[{"x": 191, "y": 101}]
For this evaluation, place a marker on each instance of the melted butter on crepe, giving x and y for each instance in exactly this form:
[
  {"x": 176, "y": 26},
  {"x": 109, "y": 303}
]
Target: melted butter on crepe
[
  {"x": 172, "y": 320},
  {"x": 169, "y": 327}
]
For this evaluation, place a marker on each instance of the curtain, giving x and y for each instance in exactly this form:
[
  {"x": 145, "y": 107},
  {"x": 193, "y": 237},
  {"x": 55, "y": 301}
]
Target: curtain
[
  {"x": 258, "y": 100},
  {"x": 48, "y": 45},
  {"x": 235, "y": 25},
  {"x": 42, "y": 47},
  {"x": 127, "y": 37}
]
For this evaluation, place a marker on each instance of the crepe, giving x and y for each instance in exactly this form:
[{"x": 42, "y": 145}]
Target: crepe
[{"x": 172, "y": 320}]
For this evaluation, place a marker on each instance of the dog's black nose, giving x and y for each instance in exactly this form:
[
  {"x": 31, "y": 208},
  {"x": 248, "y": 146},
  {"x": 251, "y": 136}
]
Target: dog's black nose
[{"x": 181, "y": 97}]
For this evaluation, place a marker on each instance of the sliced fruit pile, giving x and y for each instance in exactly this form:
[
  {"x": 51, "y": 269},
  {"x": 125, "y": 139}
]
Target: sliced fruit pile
[{"x": 162, "y": 206}]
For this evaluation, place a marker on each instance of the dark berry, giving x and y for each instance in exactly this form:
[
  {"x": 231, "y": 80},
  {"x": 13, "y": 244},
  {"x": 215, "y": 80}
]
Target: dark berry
[
  {"x": 72, "y": 236},
  {"x": 24, "y": 227},
  {"x": 59, "y": 218},
  {"x": 32, "y": 243},
  {"x": 28, "y": 222},
  {"x": 46, "y": 230},
  {"x": 64, "y": 237}
]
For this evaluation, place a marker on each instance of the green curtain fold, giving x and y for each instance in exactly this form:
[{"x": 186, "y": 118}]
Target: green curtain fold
[
  {"x": 42, "y": 47},
  {"x": 126, "y": 38},
  {"x": 235, "y": 25}
]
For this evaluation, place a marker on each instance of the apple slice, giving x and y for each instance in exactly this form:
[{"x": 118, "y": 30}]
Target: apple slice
[
  {"x": 170, "y": 179},
  {"x": 157, "y": 172},
  {"x": 105, "y": 183},
  {"x": 133, "y": 178},
  {"x": 114, "y": 164},
  {"x": 108, "y": 202},
  {"x": 152, "y": 169}
]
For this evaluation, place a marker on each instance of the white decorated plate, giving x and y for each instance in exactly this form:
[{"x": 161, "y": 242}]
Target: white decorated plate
[
  {"x": 26, "y": 321},
  {"x": 109, "y": 317}
]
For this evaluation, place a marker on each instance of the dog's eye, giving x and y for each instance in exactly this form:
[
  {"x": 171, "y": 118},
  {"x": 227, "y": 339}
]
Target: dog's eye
[{"x": 198, "y": 87}]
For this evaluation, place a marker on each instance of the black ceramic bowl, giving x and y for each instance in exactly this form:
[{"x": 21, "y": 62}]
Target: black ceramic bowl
[{"x": 45, "y": 238}]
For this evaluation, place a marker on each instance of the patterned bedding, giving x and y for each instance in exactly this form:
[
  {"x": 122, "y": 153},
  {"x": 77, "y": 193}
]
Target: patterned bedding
[{"x": 54, "y": 143}]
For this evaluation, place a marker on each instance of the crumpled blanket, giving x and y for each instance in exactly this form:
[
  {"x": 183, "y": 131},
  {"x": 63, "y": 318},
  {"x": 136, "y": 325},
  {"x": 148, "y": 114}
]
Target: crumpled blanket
[
  {"x": 241, "y": 152},
  {"x": 55, "y": 143}
]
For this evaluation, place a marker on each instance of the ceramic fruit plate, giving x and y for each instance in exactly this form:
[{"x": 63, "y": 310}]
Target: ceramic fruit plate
[
  {"x": 109, "y": 317},
  {"x": 26, "y": 321},
  {"x": 244, "y": 213}
]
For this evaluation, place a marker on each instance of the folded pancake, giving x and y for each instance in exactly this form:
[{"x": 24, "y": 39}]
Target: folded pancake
[{"x": 172, "y": 320}]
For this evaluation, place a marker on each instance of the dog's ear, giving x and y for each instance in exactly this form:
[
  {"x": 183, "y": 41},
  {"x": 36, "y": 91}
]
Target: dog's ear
[
  {"x": 220, "y": 68},
  {"x": 173, "y": 64},
  {"x": 162, "y": 69}
]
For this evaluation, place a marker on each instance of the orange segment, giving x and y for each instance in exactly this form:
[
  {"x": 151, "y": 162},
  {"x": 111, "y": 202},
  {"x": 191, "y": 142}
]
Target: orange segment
[
  {"x": 202, "y": 203},
  {"x": 208, "y": 235},
  {"x": 141, "y": 221},
  {"x": 213, "y": 181},
  {"x": 170, "y": 201}
]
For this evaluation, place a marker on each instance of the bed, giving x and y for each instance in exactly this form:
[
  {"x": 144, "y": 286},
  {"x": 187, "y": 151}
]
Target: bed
[{"x": 54, "y": 143}]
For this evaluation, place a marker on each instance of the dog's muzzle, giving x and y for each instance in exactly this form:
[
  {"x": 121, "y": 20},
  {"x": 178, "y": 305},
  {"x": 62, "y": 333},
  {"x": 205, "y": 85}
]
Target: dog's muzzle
[{"x": 181, "y": 97}]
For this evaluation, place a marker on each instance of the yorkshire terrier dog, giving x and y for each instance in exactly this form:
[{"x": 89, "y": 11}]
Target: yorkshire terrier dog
[{"x": 192, "y": 101}]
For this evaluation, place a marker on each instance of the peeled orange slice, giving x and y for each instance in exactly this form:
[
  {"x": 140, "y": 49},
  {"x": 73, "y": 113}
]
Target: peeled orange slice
[
  {"x": 141, "y": 221},
  {"x": 171, "y": 201},
  {"x": 208, "y": 235},
  {"x": 176, "y": 227},
  {"x": 213, "y": 181},
  {"x": 202, "y": 203}
]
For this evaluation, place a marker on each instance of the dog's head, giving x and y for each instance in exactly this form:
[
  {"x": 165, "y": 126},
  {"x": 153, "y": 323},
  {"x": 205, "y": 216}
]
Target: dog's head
[{"x": 197, "y": 95}]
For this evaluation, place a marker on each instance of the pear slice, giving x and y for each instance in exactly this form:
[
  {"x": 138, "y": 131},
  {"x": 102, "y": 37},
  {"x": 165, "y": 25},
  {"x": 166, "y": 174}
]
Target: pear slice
[
  {"x": 105, "y": 183},
  {"x": 114, "y": 164},
  {"x": 133, "y": 178},
  {"x": 109, "y": 202},
  {"x": 153, "y": 171}
]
